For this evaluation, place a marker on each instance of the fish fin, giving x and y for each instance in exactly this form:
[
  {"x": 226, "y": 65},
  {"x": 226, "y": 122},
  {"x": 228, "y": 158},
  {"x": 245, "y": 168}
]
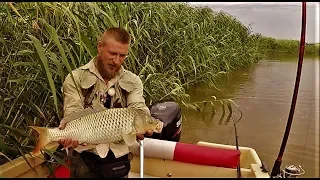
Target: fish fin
[
  {"x": 118, "y": 149},
  {"x": 43, "y": 137},
  {"x": 102, "y": 150},
  {"x": 80, "y": 113},
  {"x": 81, "y": 148},
  {"x": 129, "y": 139}
]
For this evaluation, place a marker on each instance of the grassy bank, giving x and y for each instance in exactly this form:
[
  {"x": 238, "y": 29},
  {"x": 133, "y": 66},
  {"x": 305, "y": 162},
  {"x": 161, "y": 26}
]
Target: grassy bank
[{"x": 174, "y": 46}]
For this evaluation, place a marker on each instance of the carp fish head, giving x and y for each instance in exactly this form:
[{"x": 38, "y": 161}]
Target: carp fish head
[{"x": 144, "y": 122}]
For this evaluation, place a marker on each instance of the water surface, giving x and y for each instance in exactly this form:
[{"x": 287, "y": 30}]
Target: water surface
[{"x": 264, "y": 93}]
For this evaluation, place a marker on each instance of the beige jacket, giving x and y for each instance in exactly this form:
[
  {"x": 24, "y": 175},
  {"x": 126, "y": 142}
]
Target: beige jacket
[{"x": 90, "y": 84}]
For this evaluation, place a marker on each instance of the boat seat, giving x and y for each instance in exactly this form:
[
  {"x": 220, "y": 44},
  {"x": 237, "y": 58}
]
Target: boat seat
[{"x": 137, "y": 175}]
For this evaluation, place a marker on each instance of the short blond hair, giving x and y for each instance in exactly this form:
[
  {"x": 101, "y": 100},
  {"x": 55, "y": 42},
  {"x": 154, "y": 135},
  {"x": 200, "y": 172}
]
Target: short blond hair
[{"x": 119, "y": 34}]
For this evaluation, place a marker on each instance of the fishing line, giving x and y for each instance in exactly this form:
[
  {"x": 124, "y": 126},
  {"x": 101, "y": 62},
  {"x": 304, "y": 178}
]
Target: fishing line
[
  {"x": 165, "y": 163},
  {"x": 229, "y": 135},
  {"x": 237, "y": 144},
  {"x": 305, "y": 144}
]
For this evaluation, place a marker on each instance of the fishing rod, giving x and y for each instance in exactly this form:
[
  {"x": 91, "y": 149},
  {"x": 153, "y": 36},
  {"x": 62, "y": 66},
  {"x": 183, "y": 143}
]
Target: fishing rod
[{"x": 276, "y": 168}]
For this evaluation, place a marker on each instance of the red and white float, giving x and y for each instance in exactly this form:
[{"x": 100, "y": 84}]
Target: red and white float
[
  {"x": 189, "y": 153},
  {"x": 176, "y": 159}
]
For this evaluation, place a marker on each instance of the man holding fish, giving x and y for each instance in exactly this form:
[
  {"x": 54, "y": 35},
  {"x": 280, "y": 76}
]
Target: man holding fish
[{"x": 104, "y": 112}]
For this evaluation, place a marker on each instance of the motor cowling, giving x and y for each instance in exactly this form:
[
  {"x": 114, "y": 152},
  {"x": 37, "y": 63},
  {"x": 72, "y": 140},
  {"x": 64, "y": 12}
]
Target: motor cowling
[{"x": 169, "y": 112}]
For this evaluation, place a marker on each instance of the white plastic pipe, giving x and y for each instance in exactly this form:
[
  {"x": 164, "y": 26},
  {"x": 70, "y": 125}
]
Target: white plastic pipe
[{"x": 141, "y": 159}]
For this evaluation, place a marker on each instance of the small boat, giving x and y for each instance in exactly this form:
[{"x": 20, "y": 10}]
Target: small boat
[
  {"x": 163, "y": 155},
  {"x": 165, "y": 159}
]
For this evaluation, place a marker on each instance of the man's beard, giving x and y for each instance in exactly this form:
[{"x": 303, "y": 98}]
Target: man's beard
[{"x": 104, "y": 72}]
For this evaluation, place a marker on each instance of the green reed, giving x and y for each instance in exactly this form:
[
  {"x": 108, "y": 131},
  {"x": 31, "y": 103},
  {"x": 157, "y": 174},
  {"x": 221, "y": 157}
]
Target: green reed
[
  {"x": 269, "y": 45},
  {"x": 174, "y": 45}
]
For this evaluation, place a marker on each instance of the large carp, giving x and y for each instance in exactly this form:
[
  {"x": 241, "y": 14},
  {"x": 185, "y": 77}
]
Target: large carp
[{"x": 100, "y": 126}]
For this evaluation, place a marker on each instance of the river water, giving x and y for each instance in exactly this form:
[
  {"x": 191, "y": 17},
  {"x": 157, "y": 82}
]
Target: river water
[{"x": 263, "y": 93}]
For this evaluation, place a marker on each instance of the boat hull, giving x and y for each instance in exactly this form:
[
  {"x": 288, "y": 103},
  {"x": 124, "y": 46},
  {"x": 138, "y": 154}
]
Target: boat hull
[{"x": 161, "y": 159}]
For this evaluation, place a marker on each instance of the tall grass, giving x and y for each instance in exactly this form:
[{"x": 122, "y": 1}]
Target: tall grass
[{"x": 174, "y": 46}]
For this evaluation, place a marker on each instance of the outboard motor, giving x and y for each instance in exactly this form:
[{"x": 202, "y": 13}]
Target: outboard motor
[{"x": 169, "y": 113}]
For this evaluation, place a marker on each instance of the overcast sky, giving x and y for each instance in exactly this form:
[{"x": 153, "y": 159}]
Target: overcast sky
[
  {"x": 274, "y": 19},
  {"x": 257, "y": 3}
]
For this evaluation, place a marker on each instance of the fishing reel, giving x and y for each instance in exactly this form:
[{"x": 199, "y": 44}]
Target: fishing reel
[{"x": 291, "y": 171}]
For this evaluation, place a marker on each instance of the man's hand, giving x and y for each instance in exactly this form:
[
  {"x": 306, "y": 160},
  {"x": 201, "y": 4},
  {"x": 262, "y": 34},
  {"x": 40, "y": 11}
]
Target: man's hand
[
  {"x": 67, "y": 142},
  {"x": 141, "y": 136}
]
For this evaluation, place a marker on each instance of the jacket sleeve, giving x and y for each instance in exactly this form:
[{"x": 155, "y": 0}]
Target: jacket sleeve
[
  {"x": 73, "y": 99},
  {"x": 135, "y": 97}
]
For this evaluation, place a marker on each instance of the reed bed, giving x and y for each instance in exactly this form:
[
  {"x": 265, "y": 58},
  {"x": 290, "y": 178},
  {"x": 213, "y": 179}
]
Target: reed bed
[
  {"x": 174, "y": 45},
  {"x": 269, "y": 45}
]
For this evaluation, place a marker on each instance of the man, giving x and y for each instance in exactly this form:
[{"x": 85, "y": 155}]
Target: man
[{"x": 104, "y": 80}]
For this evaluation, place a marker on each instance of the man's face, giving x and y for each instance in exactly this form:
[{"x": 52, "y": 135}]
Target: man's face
[{"x": 111, "y": 55}]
